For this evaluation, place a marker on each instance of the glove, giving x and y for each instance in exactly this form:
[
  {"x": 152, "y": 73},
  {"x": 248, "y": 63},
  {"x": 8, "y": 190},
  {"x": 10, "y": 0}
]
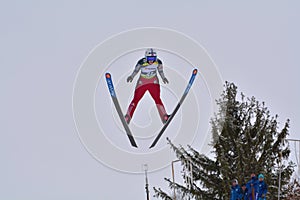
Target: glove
[
  {"x": 165, "y": 80},
  {"x": 129, "y": 79}
]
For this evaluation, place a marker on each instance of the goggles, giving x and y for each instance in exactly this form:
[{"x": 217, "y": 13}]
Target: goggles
[{"x": 151, "y": 58}]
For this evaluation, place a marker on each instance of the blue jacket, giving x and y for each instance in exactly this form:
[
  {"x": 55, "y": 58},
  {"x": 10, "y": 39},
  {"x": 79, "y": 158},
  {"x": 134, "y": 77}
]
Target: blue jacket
[
  {"x": 252, "y": 184},
  {"x": 244, "y": 194},
  {"x": 262, "y": 189},
  {"x": 235, "y": 193}
]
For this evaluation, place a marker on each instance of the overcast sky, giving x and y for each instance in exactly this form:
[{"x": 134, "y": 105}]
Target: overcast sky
[{"x": 255, "y": 44}]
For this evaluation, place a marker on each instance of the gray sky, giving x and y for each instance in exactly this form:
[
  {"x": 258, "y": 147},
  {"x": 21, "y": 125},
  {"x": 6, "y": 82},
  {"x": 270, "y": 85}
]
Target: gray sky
[{"x": 254, "y": 44}]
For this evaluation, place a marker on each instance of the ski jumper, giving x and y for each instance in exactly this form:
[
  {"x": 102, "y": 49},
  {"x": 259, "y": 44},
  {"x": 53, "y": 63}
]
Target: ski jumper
[{"x": 148, "y": 81}]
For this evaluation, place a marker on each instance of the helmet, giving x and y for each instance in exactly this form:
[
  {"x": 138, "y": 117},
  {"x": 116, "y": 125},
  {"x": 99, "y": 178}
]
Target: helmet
[{"x": 150, "y": 54}]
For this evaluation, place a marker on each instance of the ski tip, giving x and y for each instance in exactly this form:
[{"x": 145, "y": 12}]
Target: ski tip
[
  {"x": 107, "y": 75},
  {"x": 195, "y": 71}
]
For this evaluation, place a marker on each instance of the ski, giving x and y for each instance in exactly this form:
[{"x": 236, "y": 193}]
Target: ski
[
  {"x": 118, "y": 108},
  {"x": 187, "y": 89}
]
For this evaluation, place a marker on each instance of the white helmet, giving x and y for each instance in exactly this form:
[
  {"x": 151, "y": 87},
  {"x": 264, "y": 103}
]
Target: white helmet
[{"x": 150, "y": 52}]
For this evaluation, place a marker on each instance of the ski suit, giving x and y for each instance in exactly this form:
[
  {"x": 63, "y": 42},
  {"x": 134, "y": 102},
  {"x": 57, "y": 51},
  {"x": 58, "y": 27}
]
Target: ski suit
[{"x": 148, "y": 81}]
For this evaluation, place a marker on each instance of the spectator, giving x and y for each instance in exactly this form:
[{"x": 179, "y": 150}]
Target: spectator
[
  {"x": 244, "y": 192},
  {"x": 235, "y": 191},
  {"x": 262, "y": 188},
  {"x": 252, "y": 187}
]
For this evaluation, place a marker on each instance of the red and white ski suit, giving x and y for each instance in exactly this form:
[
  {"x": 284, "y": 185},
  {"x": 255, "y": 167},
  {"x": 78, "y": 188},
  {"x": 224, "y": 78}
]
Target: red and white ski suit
[{"x": 148, "y": 81}]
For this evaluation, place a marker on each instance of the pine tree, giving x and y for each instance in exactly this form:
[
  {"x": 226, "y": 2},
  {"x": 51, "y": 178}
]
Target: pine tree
[
  {"x": 246, "y": 139},
  {"x": 293, "y": 192}
]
